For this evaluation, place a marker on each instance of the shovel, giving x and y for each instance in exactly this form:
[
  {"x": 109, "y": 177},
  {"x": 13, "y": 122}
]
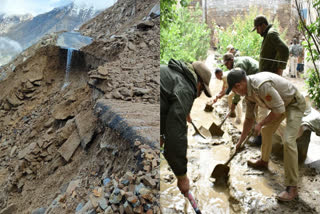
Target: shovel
[
  {"x": 221, "y": 171},
  {"x": 197, "y": 130},
  {"x": 216, "y": 130}
]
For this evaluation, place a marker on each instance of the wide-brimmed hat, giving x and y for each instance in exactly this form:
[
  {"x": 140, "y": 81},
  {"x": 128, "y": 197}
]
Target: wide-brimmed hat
[
  {"x": 260, "y": 19},
  {"x": 205, "y": 74}
]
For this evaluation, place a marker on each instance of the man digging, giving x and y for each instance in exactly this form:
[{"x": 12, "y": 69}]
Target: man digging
[{"x": 283, "y": 99}]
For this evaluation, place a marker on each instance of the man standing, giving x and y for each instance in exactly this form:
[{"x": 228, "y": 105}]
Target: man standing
[
  {"x": 274, "y": 52},
  {"x": 283, "y": 99},
  {"x": 180, "y": 85},
  {"x": 294, "y": 51},
  {"x": 300, "y": 66}
]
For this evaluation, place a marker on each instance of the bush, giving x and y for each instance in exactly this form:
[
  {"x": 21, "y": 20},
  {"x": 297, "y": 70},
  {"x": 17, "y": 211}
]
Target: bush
[
  {"x": 183, "y": 36},
  {"x": 240, "y": 36}
]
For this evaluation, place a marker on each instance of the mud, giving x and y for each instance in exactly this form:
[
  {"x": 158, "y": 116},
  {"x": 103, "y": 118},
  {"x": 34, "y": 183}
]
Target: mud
[
  {"x": 91, "y": 147},
  {"x": 247, "y": 190}
]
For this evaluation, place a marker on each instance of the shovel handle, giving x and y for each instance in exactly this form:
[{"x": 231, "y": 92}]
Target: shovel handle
[
  {"x": 197, "y": 130},
  {"x": 244, "y": 142},
  {"x": 225, "y": 119},
  {"x": 193, "y": 203}
]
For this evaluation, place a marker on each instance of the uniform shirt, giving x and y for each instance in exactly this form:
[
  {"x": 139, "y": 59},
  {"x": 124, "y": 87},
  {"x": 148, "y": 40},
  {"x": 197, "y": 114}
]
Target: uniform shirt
[
  {"x": 273, "y": 47},
  {"x": 270, "y": 91},
  {"x": 248, "y": 64}
]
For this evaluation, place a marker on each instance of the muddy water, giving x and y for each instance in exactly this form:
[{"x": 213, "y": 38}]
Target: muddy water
[
  {"x": 248, "y": 190},
  {"x": 203, "y": 156}
]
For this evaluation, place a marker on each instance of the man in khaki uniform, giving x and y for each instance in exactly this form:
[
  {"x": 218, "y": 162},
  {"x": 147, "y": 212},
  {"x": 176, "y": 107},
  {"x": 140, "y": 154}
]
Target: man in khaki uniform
[{"x": 283, "y": 99}]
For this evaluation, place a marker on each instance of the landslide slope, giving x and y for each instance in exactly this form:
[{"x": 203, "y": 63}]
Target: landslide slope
[{"x": 91, "y": 147}]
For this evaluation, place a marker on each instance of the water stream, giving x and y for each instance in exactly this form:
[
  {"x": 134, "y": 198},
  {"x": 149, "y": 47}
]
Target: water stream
[{"x": 68, "y": 67}]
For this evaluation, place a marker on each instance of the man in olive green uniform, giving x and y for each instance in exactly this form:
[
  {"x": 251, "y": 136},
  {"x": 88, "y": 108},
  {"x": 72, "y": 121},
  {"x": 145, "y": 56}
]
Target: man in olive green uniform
[
  {"x": 180, "y": 85},
  {"x": 283, "y": 99},
  {"x": 274, "y": 52},
  {"x": 248, "y": 64}
]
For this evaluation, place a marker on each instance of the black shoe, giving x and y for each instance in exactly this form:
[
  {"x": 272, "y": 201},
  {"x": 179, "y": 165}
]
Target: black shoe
[{"x": 257, "y": 141}]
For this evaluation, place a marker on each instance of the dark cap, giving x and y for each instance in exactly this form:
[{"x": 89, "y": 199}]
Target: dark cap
[
  {"x": 234, "y": 76},
  {"x": 226, "y": 57},
  {"x": 205, "y": 74},
  {"x": 260, "y": 19}
]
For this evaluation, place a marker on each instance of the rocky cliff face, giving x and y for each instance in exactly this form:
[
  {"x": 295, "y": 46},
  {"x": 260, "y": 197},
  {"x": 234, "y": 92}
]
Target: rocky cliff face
[
  {"x": 7, "y": 22},
  {"x": 92, "y": 146},
  {"x": 63, "y": 18}
]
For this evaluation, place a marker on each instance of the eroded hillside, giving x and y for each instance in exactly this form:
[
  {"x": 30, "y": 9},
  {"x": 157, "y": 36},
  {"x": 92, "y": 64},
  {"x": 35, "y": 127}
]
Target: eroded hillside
[{"x": 91, "y": 147}]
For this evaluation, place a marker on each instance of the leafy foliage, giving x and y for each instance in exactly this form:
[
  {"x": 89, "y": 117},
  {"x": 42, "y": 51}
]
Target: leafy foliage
[
  {"x": 183, "y": 36},
  {"x": 240, "y": 36},
  {"x": 311, "y": 33}
]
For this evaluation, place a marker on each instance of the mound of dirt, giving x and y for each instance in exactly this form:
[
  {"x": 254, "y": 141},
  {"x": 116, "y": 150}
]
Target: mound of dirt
[{"x": 91, "y": 147}]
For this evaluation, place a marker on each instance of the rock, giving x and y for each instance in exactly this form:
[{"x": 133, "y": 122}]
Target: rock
[
  {"x": 102, "y": 70},
  {"x": 72, "y": 186},
  {"x": 39, "y": 211},
  {"x": 49, "y": 123},
  {"x": 13, "y": 100},
  {"x": 67, "y": 130},
  {"x": 109, "y": 210},
  {"x": 94, "y": 76},
  {"x": 27, "y": 150},
  {"x": 138, "y": 209},
  {"x": 133, "y": 200},
  {"x": 131, "y": 46},
  {"x": 146, "y": 194},
  {"x": 115, "y": 197},
  {"x": 145, "y": 25},
  {"x": 64, "y": 111},
  {"x": 86, "y": 125},
  {"x": 116, "y": 94},
  {"x": 98, "y": 192},
  {"x": 70, "y": 146},
  {"x": 141, "y": 91},
  {"x": 94, "y": 201},
  {"x": 143, "y": 45},
  {"x": 127, "y": 208},
  {"x": 149, "y": 211},
  {"x": 103, "y": 203},
  {"x": 79, "y": 207},
  {"x": 148, "y": 181},
  {"x": 13, "y": 151},
  {"x": 85, "y": 209},
  {"x": 9, "y": 209},
  {"x": 106, "y": 181},
  {"x": 34, "y": 76},
  {"x": 125, "y": 92}
]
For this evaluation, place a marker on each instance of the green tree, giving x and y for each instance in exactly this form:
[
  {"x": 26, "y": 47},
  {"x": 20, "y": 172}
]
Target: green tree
[
  {"x": 311, "y": 33},
  {"x": 240, "y": 36},
  {"x": 183, "y": 35}
]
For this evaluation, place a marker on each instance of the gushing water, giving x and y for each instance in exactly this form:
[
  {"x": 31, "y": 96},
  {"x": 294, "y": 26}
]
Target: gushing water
[{"x": 68, "y": 67}]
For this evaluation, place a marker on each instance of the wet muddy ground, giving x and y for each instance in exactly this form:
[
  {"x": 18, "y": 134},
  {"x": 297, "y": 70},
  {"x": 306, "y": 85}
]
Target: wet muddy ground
[{"x": 247, "y": 190}]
